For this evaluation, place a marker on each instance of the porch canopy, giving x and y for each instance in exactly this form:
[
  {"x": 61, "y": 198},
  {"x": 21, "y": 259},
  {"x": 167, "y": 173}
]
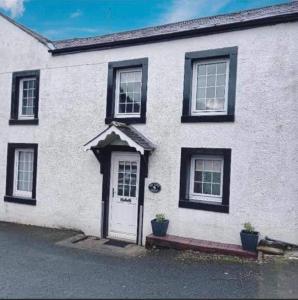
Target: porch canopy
[{"x": 120, "y": 134}]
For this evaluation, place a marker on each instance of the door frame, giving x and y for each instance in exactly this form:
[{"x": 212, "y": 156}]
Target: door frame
[{"x": 104, "y": 156}]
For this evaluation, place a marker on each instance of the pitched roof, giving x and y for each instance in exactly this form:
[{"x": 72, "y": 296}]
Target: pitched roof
[
  {"x": 34, "y": 34},
  {"x": 234, "y": 21},
  {"x": 126, "y": 133}
]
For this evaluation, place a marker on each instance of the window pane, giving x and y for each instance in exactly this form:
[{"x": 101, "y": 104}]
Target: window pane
[
  {"x": 207, "y": 188},
  {"x": 216, "y": 189},
  {"x": 201, "y": 105},
  {"x": 207, "y": 176},
  {"x": 126, "y": 190},
  {"x": 211, "y": 80},
  {"x": 210, "y": 104},
  {"x": 202, "y": 81},
  {"x": 199, "y": 164},
  {"x": 210, "y": 92},
  {"x": 220, "y": 92},
  {"x": 221, "y": 68},
  {"x": 120, "y": 190},
  {"x": 208, "y": 165},
  {"x": 219, "y": 104},
  {"x": 221, "y": 80},
  {"x": 198, "y": 188},
  {"x": 201, "y": 93},
  {"x": 211, "y": 69},
  {"x": 202, "y": 70},
  {"x": 216, "y": 177},
  {"x": 198, "y": 176},
  {"x": 132, "y": 191}
]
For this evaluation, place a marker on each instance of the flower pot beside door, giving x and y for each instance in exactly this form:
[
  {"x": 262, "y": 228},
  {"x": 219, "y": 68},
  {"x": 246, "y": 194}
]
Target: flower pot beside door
[{"x": 160, "y": 225}]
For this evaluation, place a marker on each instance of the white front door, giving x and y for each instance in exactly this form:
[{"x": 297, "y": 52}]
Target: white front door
[{"x": 124, "y": 194}]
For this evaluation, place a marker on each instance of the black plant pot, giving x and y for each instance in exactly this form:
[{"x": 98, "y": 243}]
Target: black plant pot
[
  {"x": 249, "y": 240},
  {"x": 159, "y": 228}
]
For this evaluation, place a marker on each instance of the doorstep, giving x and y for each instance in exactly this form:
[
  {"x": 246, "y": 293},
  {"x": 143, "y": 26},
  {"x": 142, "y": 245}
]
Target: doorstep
[{"x": 181, "y": 243}]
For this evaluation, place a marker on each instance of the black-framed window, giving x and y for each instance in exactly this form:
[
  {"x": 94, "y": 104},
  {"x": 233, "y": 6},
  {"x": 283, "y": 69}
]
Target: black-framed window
[
  {"x": 21, "y": 173},
  {"x": 127, "y": 91},
  {"x": 24, "y": 98},
  {"x": 210, "y": 85},
  {"x": 205, "y": 179}
]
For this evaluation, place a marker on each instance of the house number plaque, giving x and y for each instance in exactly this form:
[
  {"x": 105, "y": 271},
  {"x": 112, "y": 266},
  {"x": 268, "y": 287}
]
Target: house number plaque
[{"x": 154, "y": 187}]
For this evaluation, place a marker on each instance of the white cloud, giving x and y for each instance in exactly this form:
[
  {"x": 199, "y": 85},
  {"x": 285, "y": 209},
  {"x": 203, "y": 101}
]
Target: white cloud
[
  {"x": 15, "y": 7},
  {"x": 188, "y": 9},
  {"x": 75, "y": 14}
]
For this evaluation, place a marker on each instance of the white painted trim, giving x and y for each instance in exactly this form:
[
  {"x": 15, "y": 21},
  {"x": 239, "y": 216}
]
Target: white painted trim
[
  {"x": 194, "y": 111},
  {"x": 117, "y": 88},
  {"x": 21, "y": 99},
  {"x": 122, "y": 136},
  {"x": 17, "y": 192},
  {"x": 205, "y": 197}
]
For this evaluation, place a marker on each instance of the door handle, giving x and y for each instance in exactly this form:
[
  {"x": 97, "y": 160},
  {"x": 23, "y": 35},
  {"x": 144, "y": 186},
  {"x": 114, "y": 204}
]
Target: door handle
[{"x": 125, "y": 199}]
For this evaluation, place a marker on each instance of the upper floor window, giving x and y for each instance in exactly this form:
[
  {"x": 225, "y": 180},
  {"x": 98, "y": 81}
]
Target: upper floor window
[
  {"x": 209, "y": 85},
  {"x": 127, "y": 91},
  {"x": 27, "y": 98},
  {"x": 21, "y": 173},
  {"x": 24, "y": 100}
]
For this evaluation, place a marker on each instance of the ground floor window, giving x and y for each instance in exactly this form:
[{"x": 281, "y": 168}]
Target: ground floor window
[
  {"x": 205, "y": 179},
  {"x": 21, "y": 173}
]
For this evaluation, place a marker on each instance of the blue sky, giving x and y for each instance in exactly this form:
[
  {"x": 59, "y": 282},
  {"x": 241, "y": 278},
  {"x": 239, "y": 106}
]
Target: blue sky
[{"x": 61, "y": 19}]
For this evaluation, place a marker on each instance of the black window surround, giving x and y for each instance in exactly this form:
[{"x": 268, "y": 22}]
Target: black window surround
[
  {"x": 110, "y": 108},
  {"x": 184, "y": 200},
  {"x": 193, "y": 57},
  {"x": 14, "y": 114},
  {"x": 10, "y": 169}
]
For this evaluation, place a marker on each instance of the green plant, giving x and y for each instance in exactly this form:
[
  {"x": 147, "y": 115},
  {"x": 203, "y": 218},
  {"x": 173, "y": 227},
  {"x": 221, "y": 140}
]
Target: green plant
[
  {"x": 248, "y": 227},
  {"x": 160, "y": 218}
]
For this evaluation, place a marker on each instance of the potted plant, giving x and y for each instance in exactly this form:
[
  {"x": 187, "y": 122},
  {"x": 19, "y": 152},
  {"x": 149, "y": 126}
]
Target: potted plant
[
  {"x": 160, "y": 225},
  {"x": 249, "y": 237}
]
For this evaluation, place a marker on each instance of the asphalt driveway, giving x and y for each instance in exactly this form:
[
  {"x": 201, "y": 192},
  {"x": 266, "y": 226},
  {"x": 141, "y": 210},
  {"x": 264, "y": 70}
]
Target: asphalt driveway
[{"x": 33, "y": 266}]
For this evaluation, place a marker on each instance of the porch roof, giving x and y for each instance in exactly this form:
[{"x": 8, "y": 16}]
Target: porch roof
[{"x": 125, "y": 133}]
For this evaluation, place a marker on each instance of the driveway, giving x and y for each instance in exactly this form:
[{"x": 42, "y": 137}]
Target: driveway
[{"x": 32, "y": 265}]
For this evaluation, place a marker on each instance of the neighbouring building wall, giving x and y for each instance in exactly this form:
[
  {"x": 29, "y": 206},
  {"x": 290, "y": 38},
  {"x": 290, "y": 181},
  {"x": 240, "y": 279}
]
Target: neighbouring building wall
[{"x": 72, "y": 109}]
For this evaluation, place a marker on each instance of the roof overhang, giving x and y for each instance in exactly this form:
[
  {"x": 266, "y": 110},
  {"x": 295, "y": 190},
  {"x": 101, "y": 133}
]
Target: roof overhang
[{"x": 125, "y": 133}]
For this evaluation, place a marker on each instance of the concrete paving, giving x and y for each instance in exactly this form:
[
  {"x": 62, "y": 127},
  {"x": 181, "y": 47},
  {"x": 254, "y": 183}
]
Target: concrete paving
[{"x": 33, "y": 264}]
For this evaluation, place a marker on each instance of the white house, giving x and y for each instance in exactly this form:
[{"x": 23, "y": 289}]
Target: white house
[{"x": 206, "y": 108}]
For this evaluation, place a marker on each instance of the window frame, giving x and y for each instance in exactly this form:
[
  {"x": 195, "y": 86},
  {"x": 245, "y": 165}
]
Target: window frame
[
  {"x": 21, "y": 99},
  {"x": 16, "y": 192},
  {"x": 16, "y": 117},
  {"x": 192, "y": 58},
  {"x": 185, "y": 198},
  {"x": 117, "y": 94},
  {"x": 201, "y": 196},
  {"x": 11, "y": 195},
  {"x": 195, "y": 112},
  {"x": 141, "y": 63}
]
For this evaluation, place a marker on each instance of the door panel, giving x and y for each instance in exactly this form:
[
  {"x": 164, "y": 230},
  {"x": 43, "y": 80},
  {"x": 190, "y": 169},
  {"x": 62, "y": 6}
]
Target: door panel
[{"x": 123, "y": 208}]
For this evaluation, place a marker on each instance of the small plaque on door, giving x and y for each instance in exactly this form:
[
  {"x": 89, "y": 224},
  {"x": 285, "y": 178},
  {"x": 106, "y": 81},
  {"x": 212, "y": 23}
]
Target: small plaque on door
[{"x": 154, "y": 187}]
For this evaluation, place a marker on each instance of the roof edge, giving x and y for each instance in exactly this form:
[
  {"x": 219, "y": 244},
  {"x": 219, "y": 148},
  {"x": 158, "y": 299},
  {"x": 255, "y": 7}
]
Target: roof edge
[
  {"x": 271, "y": 20},
  {"x": 32, "y": 33}
]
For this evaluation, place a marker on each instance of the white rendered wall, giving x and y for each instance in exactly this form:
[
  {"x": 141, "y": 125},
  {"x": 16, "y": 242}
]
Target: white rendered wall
[{"x": 72, "y": 104}]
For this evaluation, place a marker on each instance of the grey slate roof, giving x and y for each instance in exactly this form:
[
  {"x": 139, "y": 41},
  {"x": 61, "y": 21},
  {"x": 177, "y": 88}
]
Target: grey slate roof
[
  {"x": 130, "y": 132},
  {"x": 135, "y": 135},
  {"x": 208, "y": 23},
  {"x": 36, "y": 35}
]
